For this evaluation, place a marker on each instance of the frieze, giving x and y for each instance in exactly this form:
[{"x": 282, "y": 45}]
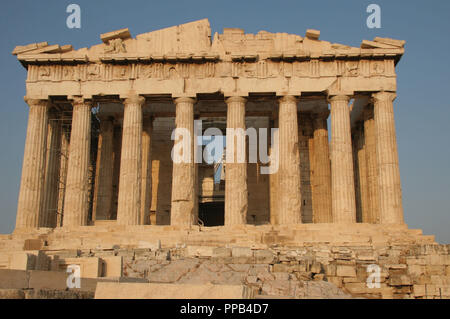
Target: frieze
[{"x": 260, "y": 69}]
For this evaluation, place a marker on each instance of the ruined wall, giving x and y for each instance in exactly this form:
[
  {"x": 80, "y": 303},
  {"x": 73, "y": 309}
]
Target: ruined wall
[{"x": 323, "y": 271}]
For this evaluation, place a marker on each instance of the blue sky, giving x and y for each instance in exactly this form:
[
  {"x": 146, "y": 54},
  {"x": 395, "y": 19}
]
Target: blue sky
[{"x": 422, "y": 107}]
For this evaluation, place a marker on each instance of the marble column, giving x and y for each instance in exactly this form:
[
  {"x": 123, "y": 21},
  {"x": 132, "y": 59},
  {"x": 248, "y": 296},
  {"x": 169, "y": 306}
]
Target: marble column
[
  {"x": 129, "y": 203},
  {"x": 31, "y": 184},
  {"x": 362, "y": 188},
  {"x": 76, "y": 202},
  {"x": 51, "y": 184},
  {"x": 273, "y": 178},
  {"x": 322, "y": 171},
  {"x": 289, "y": 196},
  {"x": 390, "y": 193},
  {"x": 236, "y": 191},
  {"x": 146, "y": 185},
  {"x": 64, "y": 159},
  {"x": 103, "y": 190},
  {"x": 183, "y": 176},
  {"x": 342, "y": 177},
  {"x": 371, "y": 165}
]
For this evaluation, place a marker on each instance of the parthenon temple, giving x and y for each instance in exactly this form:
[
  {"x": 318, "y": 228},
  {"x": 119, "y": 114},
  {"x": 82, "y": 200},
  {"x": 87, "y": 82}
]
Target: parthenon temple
[
  {"x": 98, "y": 144},
  {"x": 321, "y": 201},
  {"x": 99, "y": 138}
]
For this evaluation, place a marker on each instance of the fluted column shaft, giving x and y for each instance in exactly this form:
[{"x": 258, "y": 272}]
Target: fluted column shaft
[
  {"x": 76, "y": 204},
  {"x": 322, "y": 171},
  {"x": 372, "y": 166},
  {"x": 51, "y": 184},
  {"x": 362, "y": 193},
  {"x": 31, "y": 184},
  {"x": 129, "y": 203},
  {"x": 64, "y": 159},
  {"x": 342, "y": 177},
  {"x": 183, "y": 176},
  {"x": 103, "y": 190},
  {"x": 146, "y": 185},
  {"x": 391, "y": 210},
  {"x": 236, "y": 191},
  {"x": 289, "y": 196},
  {"x": 273, "y": 179}
]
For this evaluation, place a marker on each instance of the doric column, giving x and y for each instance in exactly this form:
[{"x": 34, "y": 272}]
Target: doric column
[
  {"x": 361, "y": 183},
  {"x": 76, "y": 203},
  {"x": 391, "y": 210},
  {"x": 51, "y": 184},
  {"x": 371, "y": 165},
  {"x": 273, "y": 178},
  {"x": 342, "y": 177},
  {"x": 289, "y": 196},
  {"x": 64, "y": 159},
  {"x": 322, "y": 171},
  {"x": 146, "y": 185},
  {"x": 117, "y": 148},
  {"x": 31, "y": 184},
  {"x": 183, "y": 176},
  {"x": 129, "y": 205},
  {"x": 103, "y": 190},
  {"x": 236, "y": 192}
]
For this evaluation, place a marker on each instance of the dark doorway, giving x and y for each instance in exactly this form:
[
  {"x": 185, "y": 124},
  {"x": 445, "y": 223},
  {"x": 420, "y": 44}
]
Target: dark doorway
[{"x": 212, "y": 214}]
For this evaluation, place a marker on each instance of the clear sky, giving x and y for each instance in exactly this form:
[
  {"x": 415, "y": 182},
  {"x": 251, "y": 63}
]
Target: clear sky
[{"x": 422, "y": 107}]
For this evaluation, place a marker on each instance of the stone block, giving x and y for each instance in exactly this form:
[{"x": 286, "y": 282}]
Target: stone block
[
  {"x": 106, "y": 290},
  {"x": 282, "y": 268},
  {"x": 22, "y": 261},
  {"x": 12, "y": 294},
  {"x": 112, "y": 266},
  {"x": 419, "y": 290},
  {"x": 90, "y": 267},
  {"x": 241, "y": 252},
  {"x": 240, "y": 267},
  {"x": 281, "y": 276},
  {"x": 330, "y": 270},
  {"x": 400, "y": 280},
  {"x": 48, "y": 279},
  {"x": 313, "y": 34},
  {"x": 335, "y": 280},
  {"x": 356, "y": 288},
  {"x": 221, "y": 252},
  {"x": 435, "y": 269},
  {"x": 32, "y": 244},
  {"x": 200, "y": 251},
  {"x": 251, "y": 280},
  {"x": 264, "y": 256},
  {"x": 345, "y": 271},
  {"x": 13, "y": 279},
  {"x": 416, "y": 270}
]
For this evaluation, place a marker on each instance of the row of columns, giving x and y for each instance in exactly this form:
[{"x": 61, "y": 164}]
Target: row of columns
[{"x": 334, "y": 185}]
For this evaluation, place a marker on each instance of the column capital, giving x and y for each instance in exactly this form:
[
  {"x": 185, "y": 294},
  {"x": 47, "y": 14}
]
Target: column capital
[
  {"x": 339, "y": 97},
  {"x": 384, "y": 96},
  {"x": 287, "y": 99},
  {"x": 184, "y": 99},
  {"x": 238, "y": 99},
  {"x": 134, "y": 99},
  {"x": 36, "y": 102},
  {"x": 79, "y": 100}
]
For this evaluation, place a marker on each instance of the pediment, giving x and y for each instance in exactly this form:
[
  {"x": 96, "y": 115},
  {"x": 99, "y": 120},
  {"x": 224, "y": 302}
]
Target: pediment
[{"x": 193, "y": 41}]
